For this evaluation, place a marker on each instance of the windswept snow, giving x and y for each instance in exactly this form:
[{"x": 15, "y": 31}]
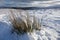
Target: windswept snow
[{"x": 50, "y": 26}]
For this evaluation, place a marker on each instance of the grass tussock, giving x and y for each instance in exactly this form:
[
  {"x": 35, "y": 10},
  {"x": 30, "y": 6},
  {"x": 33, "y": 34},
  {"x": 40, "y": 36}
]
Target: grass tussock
[{"x": 21, "y": 25}]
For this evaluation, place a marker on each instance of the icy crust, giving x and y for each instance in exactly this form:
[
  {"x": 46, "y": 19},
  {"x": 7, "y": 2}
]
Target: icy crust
[{"x": 50, "y": 25}]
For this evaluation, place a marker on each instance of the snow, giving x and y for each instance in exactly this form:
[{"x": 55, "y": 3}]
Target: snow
[
  {"x": 50, "y": 29},
  {"x": 29, "y": 3}
]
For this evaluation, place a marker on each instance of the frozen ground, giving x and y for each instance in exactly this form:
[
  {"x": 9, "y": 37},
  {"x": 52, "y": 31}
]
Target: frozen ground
[{"x": 50, "y": 25}]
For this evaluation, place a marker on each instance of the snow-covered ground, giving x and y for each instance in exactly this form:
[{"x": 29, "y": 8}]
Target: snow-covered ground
[{"x": 50, "y": 25}]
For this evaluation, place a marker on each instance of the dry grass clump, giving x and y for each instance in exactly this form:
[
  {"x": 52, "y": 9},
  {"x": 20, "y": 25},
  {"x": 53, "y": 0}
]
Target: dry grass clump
[{"x": 21, "y": 25}]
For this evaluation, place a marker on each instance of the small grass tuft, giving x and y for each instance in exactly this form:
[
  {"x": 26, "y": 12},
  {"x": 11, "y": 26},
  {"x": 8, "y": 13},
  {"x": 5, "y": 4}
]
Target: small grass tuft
[{"x": 20, "y": 26}]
